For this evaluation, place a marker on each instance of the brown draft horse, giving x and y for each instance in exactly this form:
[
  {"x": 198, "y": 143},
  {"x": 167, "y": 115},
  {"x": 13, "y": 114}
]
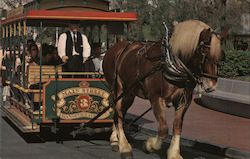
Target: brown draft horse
[{"x": 126, "y": 62}]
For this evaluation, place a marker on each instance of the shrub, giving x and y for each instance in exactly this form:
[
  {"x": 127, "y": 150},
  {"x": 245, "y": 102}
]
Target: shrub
[{"x": 236, "y": 63}]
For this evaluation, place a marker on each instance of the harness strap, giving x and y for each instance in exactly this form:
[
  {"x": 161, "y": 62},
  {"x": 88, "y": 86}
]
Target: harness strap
[{"x": 209, "y": 75}]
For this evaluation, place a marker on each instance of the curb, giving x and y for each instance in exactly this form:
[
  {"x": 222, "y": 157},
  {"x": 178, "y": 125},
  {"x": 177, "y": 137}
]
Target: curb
[
  {"x": 206, "y": 146},
  {"x": 232, "y": 107}
]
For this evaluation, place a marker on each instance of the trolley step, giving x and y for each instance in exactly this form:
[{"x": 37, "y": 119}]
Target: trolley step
[{"x": 20, "y": 120}]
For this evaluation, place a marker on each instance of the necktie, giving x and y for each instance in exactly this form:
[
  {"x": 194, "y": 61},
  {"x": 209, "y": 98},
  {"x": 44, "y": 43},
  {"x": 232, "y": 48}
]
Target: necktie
[{"x": 74, "y": 38}]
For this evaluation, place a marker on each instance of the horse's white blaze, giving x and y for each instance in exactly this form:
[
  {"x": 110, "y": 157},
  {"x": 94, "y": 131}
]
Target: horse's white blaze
[
  {"x": 153, "y": 143},
  {"x": 174, "y": 149}
]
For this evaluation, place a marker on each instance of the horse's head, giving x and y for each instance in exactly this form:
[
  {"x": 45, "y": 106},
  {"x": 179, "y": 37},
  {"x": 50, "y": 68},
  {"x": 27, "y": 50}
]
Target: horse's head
[
  {"x": 209, "y": 53},
  {"x": 199, "y": 48}
]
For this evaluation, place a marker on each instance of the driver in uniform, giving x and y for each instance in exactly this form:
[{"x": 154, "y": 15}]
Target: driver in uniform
[{"x": 73, "y": 48}]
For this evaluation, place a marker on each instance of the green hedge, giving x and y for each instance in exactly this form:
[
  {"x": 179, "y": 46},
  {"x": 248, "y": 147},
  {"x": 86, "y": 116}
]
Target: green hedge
[{"x": 236, "y": 64}]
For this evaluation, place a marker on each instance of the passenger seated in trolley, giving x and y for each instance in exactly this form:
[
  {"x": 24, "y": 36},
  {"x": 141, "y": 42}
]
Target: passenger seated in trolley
[
  {"x": 33, "y": 54},
  {"x": 50, "y": 55},
  {"x": 6, "y": 89},
  {"x": 73, "y": 48},
  {"x": 29, "y": 42},
  {"x": 55, "y": 58},
  {"x": 97, "y": 57},
  {"x": 6, "y": 72}
]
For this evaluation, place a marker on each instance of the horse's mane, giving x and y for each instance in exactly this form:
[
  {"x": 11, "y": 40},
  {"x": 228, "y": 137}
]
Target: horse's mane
[
  {"x": 215, "y": 50},
  {"x": 185, "y": 38}
]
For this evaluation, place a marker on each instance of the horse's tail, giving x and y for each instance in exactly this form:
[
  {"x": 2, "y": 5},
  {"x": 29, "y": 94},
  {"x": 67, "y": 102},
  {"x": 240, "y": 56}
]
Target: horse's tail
[{"x": 110, "y": 64}]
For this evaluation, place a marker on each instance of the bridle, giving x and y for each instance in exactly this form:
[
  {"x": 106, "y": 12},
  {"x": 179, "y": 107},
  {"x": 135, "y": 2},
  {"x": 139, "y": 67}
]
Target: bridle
[{"x": 202, "y": 51}]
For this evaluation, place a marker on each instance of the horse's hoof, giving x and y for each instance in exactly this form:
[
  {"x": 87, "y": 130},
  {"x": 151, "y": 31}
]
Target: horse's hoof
[
  {"x": 115, "y": 148},
  {"x": 127, "y": 155},
  {"x": 144, "y": 148}
]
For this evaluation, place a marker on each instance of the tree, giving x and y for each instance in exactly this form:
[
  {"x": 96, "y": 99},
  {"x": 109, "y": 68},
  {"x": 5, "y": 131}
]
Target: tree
[{"x": 151, "y": 13}]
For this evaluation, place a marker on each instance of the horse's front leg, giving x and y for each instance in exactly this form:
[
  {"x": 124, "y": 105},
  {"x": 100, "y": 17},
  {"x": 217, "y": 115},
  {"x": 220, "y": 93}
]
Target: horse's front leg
[
  {"x": 174, "y": 149},
  {"x": 159, "y": 107}
]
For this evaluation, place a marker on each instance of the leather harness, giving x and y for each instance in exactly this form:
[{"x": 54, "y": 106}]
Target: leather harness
[{"x": 173, "y": 69}]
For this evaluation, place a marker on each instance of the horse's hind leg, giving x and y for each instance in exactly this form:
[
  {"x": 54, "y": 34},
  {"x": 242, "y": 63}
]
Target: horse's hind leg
[
  {"x": 121, "y": 108},
  {"x": 174, "y": 149},
  {"x": 159, "y": 107}
]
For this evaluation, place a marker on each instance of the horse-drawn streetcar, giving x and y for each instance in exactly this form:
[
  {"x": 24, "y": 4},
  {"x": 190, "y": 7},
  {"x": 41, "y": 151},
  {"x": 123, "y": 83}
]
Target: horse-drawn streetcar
[{"x": 45, "y": 95}]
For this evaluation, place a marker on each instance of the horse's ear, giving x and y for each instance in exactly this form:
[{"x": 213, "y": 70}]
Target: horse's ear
[
  {"x": 205, "y": 36},
  {"x": 224, "y": 33}
]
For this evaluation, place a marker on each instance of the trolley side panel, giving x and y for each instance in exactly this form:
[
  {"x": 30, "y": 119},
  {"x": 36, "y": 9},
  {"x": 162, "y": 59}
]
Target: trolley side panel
[{"x": 78, "y": 100}]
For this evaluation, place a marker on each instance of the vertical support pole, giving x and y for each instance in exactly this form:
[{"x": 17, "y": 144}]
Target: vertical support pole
[
  {"x": 12, "y": 54},
  {"x": 91, "y": 34},
  {"x": 7, "y": 50},
  {"x": 107, "y": 31},
  {"x": 19, "y": 50},
  {"x": 1, "y": 76},
  {"x": 99, "y": 34},
  {"x": 40, "y": 82},
  {"x": 16, "y": 49},
  {"x": 24, "y": 54},
  {"x": 57, "y": 36},
  {"x": 128, "y": 31}
]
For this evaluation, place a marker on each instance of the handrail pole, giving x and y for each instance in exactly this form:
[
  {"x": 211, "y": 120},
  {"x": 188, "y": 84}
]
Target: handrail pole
[{"x": 40, "y": 82}]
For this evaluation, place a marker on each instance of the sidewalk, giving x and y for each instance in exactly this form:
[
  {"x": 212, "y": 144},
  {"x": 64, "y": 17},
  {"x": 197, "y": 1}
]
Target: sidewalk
[{"x": 202, "y": 124}]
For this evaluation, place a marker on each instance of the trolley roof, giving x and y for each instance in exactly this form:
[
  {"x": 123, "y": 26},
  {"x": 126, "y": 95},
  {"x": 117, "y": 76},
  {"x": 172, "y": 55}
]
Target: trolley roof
[{"x": 55, "y": 16}]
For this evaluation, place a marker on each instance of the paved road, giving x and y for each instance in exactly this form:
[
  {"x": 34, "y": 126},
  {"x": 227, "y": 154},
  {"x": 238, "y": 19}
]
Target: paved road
[
  {"x": 14, "y": 145},
  {"x": 202, "y": 124}
]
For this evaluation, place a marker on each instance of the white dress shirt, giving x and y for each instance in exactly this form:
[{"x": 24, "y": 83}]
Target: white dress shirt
[{"x": 61, "y": 47}]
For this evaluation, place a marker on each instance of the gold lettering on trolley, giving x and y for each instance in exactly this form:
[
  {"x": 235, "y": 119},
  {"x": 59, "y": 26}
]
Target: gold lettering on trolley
[
  {"x": 79, "y": 91},
  {"x": 83, "y": 114}
]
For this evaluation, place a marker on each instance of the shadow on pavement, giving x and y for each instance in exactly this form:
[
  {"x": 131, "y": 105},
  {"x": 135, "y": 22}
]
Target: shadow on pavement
[{"x": 46, "y": 135}]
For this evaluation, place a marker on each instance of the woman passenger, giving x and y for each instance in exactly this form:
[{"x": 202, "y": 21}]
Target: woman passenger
[{"x": 33, "y": 57}]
